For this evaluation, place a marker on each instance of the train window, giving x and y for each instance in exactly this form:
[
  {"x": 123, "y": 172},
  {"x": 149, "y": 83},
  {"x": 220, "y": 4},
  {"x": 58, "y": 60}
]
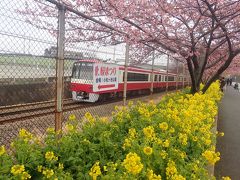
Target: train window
[
  {"x": 169, "y": 78},
  {"x": 75, "y": 70},
  {"x": 163, "y": 78},
  {"x": 136, "y": 77},
  {"x": 83, "y": 70},
  {"x": 156, "y": 78},
  {"x": 159, "y": 78}
]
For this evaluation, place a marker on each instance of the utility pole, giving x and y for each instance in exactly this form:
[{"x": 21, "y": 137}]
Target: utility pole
[
  {"x": 60, "y": 68},
  {"x": 125, "y": 74},
  {"x": 114, "y": 52},
  {"x": 183, "y": 80},
  {"x": 177, "y": 77},
  {"x": 167, "y": 73},
  {"x": 152, "y": 74}
]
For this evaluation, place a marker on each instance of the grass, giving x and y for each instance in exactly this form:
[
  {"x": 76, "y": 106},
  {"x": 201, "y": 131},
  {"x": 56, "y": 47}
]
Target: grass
[{"x": 40, "y": 61}]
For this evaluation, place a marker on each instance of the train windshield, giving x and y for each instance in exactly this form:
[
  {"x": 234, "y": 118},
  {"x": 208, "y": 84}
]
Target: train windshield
[{"x": 82, "y": 70}]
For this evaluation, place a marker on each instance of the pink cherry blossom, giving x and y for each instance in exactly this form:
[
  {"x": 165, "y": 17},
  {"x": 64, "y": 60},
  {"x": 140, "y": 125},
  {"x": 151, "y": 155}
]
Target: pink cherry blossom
[{"x": 204, "y": 34}]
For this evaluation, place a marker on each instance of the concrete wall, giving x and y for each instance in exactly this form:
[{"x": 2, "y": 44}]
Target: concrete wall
[{"x": 11, "y": 94}]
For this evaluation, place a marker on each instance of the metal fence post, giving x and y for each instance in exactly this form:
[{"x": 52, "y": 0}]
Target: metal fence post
[
  {"x": 167, "y": 73},
  {"x": 152, "y": 74},
  {"x": 183, "y": 80},
  {"x": 177, "y": 77},
  {"x": 125, "y": 74},
  {"x": 60, "y": 68}
]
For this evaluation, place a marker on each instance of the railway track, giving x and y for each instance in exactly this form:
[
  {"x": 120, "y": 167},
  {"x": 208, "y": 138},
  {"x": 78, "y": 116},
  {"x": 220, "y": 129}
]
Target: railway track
[
  {"x": 15, "y": 113},
  {"x": 9, "y": 114},
  {"x": 31, "y": 110}
]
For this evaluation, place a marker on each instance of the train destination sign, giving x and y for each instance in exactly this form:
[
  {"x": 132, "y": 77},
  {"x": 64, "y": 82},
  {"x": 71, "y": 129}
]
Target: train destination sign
[{"x": 105, "y": 77}]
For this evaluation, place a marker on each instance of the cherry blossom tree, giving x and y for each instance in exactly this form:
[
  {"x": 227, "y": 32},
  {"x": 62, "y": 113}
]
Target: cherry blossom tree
[{"x": 204, "y": 34}]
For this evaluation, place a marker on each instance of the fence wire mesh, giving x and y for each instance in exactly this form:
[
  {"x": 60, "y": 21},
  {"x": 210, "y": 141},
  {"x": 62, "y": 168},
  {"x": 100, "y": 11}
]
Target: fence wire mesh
[
  {"x": 27, "y": 72},
  {"x": 29, "y": 56}
]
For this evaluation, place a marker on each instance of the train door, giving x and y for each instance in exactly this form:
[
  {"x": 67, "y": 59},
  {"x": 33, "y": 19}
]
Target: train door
[
  {"x": 159, "y": 81},
  {"x": 155, "y": 82},
  {"x": 163, "y": 82}
]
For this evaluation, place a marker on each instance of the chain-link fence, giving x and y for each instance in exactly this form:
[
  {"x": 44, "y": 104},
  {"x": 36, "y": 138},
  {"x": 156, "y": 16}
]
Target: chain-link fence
[{"x": 48, "y": 70}]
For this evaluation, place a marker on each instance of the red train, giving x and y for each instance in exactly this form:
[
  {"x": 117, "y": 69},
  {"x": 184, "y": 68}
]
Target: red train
[{"x": 93, "y": 80}]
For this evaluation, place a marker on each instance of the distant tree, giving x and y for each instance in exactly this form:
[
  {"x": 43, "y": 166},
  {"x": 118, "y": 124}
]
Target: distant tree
[
  {"x": 204, "y": 34},
  {"x": 46, "y": 52}
]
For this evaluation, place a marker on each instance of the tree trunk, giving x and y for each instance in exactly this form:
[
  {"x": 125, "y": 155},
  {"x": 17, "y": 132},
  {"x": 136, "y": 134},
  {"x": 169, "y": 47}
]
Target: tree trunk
[{"x": 195, "y": 87}]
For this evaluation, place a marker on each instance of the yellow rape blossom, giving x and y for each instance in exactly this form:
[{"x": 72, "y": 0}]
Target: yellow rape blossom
[
  {"x": 208, "y": 141},
  {"x": 104, "y": 120},
  {"x": 25, "y": 175},
  {"x": 163, "y": 126},
  {"x": 132, "y": 163},
  {"x": 17, "y": 169},
  {"x": 171, "y": 168},
  {"x": 12, "y": 144},
  {"x": 132, "y": 133},
  {"x": 130, "y": 103},
  {"x": 149, "y": 132},
  {"x": 171, "y": 130},
  {"x": 39, "y": 168},
  {"x": 51, "y": 130},
  {"x": 2, "y": 150},
  {"x": 211, "y": 156},
  {"x": 226, "y": 178},
  {"x": 183, "y": 139},
  {"x": 152, "y": 176},
  {"x": 127, "y": 143},
  {"x": 158, "y": 141},
  {"x": 86, "y": 141},
  {"x": 72, "y": 117},
  {"x": 25, "y": 135},
  {"x": 105, "y": 168},
  {"x": 166, "y": 143},
  {"x": 147, "y": 150},
  {"x": 90, "y": 118},
  {"x": 50, "y": 156},
  {"x": 178, "y": 177},
  {"x": 60, "y": 166},
  {"x": 48, "y": 173},
  {"x": 95, "y": 171},
  {"x": 194, "y": 138},
  {"x": 163, "y": 154},
  {"x": 69, "y": 127},
  {"x": 183, "y": 155},
  {"x": 220, "y": 133},
  {"x": 113, "y": 165},
  {"x": 110, "y": 166}
]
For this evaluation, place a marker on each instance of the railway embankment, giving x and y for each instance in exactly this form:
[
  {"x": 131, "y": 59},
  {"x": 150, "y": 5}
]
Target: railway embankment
[{"x": 12, "y": 94}]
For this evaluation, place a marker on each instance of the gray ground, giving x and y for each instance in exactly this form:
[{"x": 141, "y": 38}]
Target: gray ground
[{"x": 229, "y": 145}]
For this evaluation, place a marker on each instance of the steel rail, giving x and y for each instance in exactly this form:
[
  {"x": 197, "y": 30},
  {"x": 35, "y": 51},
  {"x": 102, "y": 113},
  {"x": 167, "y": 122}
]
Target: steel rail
[
  {"x": 28, "y": 114},
  {"x": 28, "y": 104}
]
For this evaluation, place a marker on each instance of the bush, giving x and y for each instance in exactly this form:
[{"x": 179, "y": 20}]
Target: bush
[{"x": 170, "y": 140}]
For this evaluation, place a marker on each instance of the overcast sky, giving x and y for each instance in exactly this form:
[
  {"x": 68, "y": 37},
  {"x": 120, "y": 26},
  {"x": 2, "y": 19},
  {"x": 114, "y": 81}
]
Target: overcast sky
[{"x": 17, "y": 36}]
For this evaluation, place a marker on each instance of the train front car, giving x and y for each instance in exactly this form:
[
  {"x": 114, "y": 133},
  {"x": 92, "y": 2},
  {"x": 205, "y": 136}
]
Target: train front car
[
  {"x": 82, "y": 81},
  {"x": 93, "y": 80}
]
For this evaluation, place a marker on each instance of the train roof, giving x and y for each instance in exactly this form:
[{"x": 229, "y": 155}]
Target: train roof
[{"x": 141, "y": 67}]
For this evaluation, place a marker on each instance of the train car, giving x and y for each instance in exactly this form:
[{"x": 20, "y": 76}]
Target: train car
[{"x": 93, "y": 80}]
